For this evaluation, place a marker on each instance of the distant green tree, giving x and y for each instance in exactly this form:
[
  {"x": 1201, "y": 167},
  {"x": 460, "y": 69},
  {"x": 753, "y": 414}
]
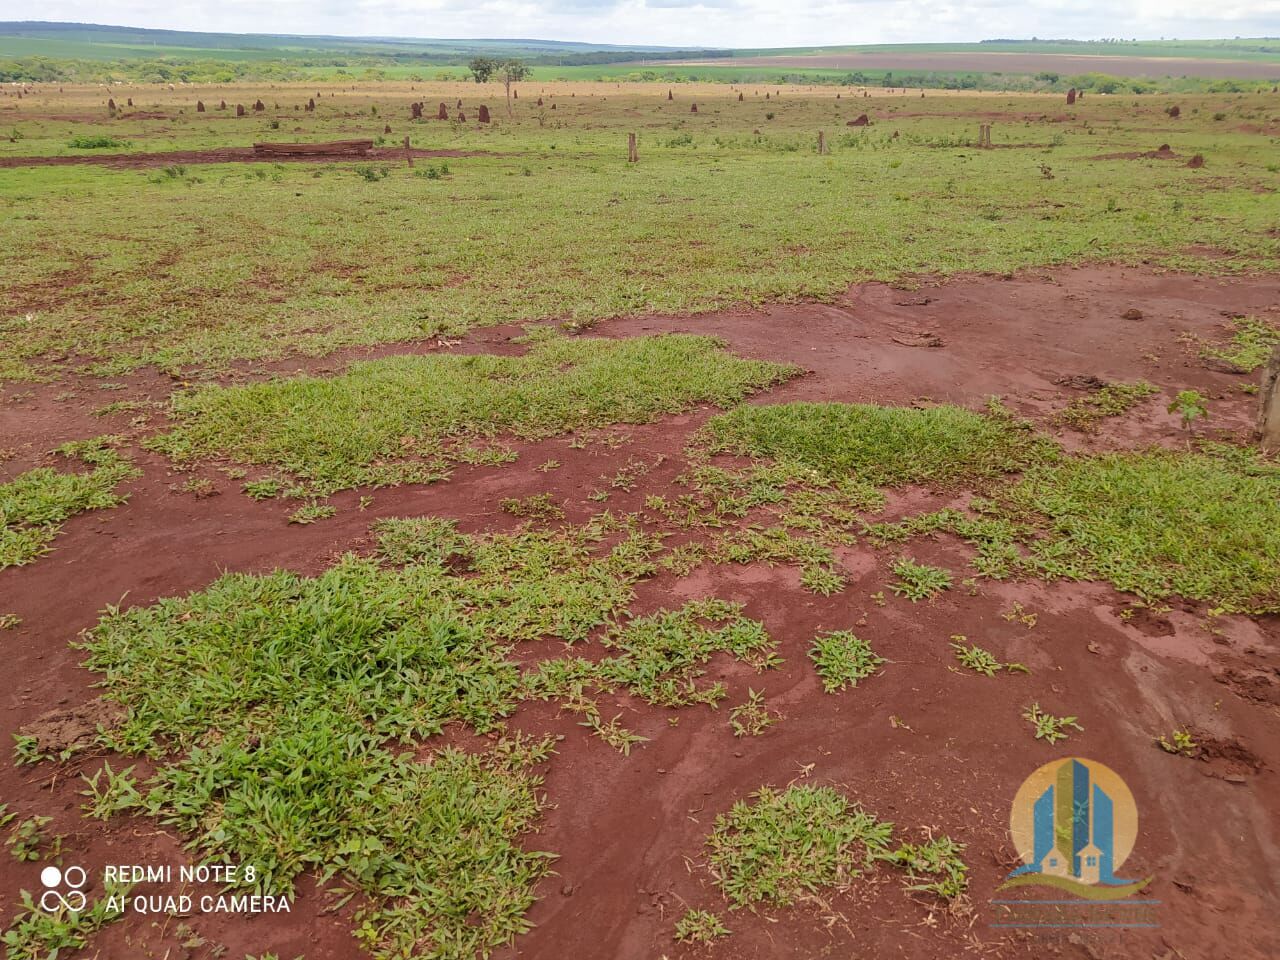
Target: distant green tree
[{"x": 482, "y": 68}]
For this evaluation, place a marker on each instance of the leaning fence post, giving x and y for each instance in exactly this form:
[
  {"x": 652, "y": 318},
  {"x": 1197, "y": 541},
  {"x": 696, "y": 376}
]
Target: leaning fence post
[{"x": 1269, "y": 410}]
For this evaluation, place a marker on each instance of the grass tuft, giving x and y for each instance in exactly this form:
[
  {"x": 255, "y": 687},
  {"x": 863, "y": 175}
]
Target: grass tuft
[
  {"x": 884, "y": 446},
  {"x": 34, "y": 504},
  {"x": 1113, "y": 400},
  {"x": 919, "y": 581},
  {"x": 700, "y": 926},
  {"x": 782, "y": 847},
  {"x": 843, "y": 659}
]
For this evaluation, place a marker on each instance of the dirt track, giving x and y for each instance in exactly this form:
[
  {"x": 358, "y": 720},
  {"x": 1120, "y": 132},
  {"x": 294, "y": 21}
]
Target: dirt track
[
  {"x": 142, "y": 161},
  {"x": 918, "y": 744},
  {"x": 1017, "y": 63}
]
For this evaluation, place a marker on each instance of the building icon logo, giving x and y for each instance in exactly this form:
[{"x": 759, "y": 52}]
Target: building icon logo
[{"x": 1074, "y": 823}]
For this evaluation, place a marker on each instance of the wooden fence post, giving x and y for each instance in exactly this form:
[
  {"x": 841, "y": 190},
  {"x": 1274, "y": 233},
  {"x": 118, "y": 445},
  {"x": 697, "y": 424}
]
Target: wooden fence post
[
  {"x": 633, "y": 155},
  {"x": 408, "y": 152},
  {"x": 1269, "y": 411},
  {"x": 822, "y": 142}
]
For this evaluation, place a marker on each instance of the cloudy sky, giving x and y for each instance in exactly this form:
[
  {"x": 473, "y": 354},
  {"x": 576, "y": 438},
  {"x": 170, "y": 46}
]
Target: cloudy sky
[{"x": 724, "y": 23}]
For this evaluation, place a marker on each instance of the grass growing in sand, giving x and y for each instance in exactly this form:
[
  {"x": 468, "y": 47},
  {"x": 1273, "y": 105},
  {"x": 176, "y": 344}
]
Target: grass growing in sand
[
  {"x": 1112, "y": 400},
  {"x": 700, "y": 926},
  {"x": 879, "y": 445},
  {"x": 1205, "y": 526},
  {"x": 843, "y": 659},
  {"x": 38, "y": 934},
  {"x": 1047, "y": 727},
  {"x": 1159, "y": 523},
  {"x": 290, "y": 719},
  {"x": 34, "y": 504},
  {"x": 784, "y": 847},
  {"x": 919, "y": 581},
  {"x": 1251, "y": 344},
  {"x": 975, "y": 658},
  {"x": 406, "y": 419}
]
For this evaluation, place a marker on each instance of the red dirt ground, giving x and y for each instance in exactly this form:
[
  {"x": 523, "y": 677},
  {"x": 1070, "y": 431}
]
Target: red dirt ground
[
  {"x": 919, "y": 743},
  {"x": 142, "y": 161}
]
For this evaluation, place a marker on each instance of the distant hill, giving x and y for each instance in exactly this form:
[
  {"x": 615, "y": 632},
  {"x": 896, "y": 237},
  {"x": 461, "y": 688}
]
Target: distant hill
[{"x": 112, "y": 40}]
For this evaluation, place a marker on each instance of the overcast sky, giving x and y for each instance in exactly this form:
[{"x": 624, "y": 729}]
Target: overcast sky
[{"x": 727, "y": 23}]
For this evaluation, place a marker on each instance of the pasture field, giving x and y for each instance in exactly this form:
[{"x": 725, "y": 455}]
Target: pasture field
[{"x": 506, "y": 549}]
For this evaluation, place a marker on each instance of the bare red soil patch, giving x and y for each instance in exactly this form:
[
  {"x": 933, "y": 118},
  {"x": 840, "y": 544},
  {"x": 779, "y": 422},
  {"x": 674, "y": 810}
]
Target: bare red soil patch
[
  {"x": 919, "y": 743},
  {"x": 142, "y": 161}
]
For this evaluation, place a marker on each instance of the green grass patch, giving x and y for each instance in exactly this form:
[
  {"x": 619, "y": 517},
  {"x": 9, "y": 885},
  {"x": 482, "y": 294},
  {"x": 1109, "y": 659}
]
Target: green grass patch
[
  {"x": 1047, "y": 727},
  {"x": 587, "y": 236},
  {"x": 34, "y": 504},
  {"x": 700, "y": 926},
  {"x": 782, "y": 847},
  {"x": 1112, "y": 400},
  {"x": 401, "y": 419},
  {"x": 37, "y": 934},
  {"x": 1158, "y": 523},
  {"x": 842, "y": 659},
  {"x": 96, "y": 143},
  {"x": 289, "y": 720},
  {"x": 1205, "y": 526},
  {"x": 884, "y": 446},
  {"x": 275, "y": 709},
  {"x": 1250, "y": 346},
  {"x": 312, "y": 513},
  {"x": 751, "y": 718},
  {"x": 660, "y": 659},
  {"x": 975, "y": 658},
  {"x": 919, "y": 581}
]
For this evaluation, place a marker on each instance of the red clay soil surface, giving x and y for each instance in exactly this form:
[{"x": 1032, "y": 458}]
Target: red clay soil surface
[
  {"x": 919, "y": 743},
  {"x": 995, "y": 62},
  {"x": 142, "y": 161}
]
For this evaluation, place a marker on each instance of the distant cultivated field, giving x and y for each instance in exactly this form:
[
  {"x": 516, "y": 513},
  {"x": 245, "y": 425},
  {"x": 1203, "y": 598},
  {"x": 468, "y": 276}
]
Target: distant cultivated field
[{"x": 979, "y": 62}]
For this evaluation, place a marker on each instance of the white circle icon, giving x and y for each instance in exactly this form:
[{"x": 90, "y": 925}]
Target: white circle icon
[{"x": 53, "y": 900}]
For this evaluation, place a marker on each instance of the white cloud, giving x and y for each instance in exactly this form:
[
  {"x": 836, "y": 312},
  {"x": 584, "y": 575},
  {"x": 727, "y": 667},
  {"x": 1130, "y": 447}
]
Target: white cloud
[{"x": 722, "y": 23}]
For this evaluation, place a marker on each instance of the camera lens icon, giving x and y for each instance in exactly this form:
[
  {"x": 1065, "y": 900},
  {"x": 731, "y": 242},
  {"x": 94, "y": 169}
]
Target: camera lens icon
[{"x": 54, "y": 878}]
